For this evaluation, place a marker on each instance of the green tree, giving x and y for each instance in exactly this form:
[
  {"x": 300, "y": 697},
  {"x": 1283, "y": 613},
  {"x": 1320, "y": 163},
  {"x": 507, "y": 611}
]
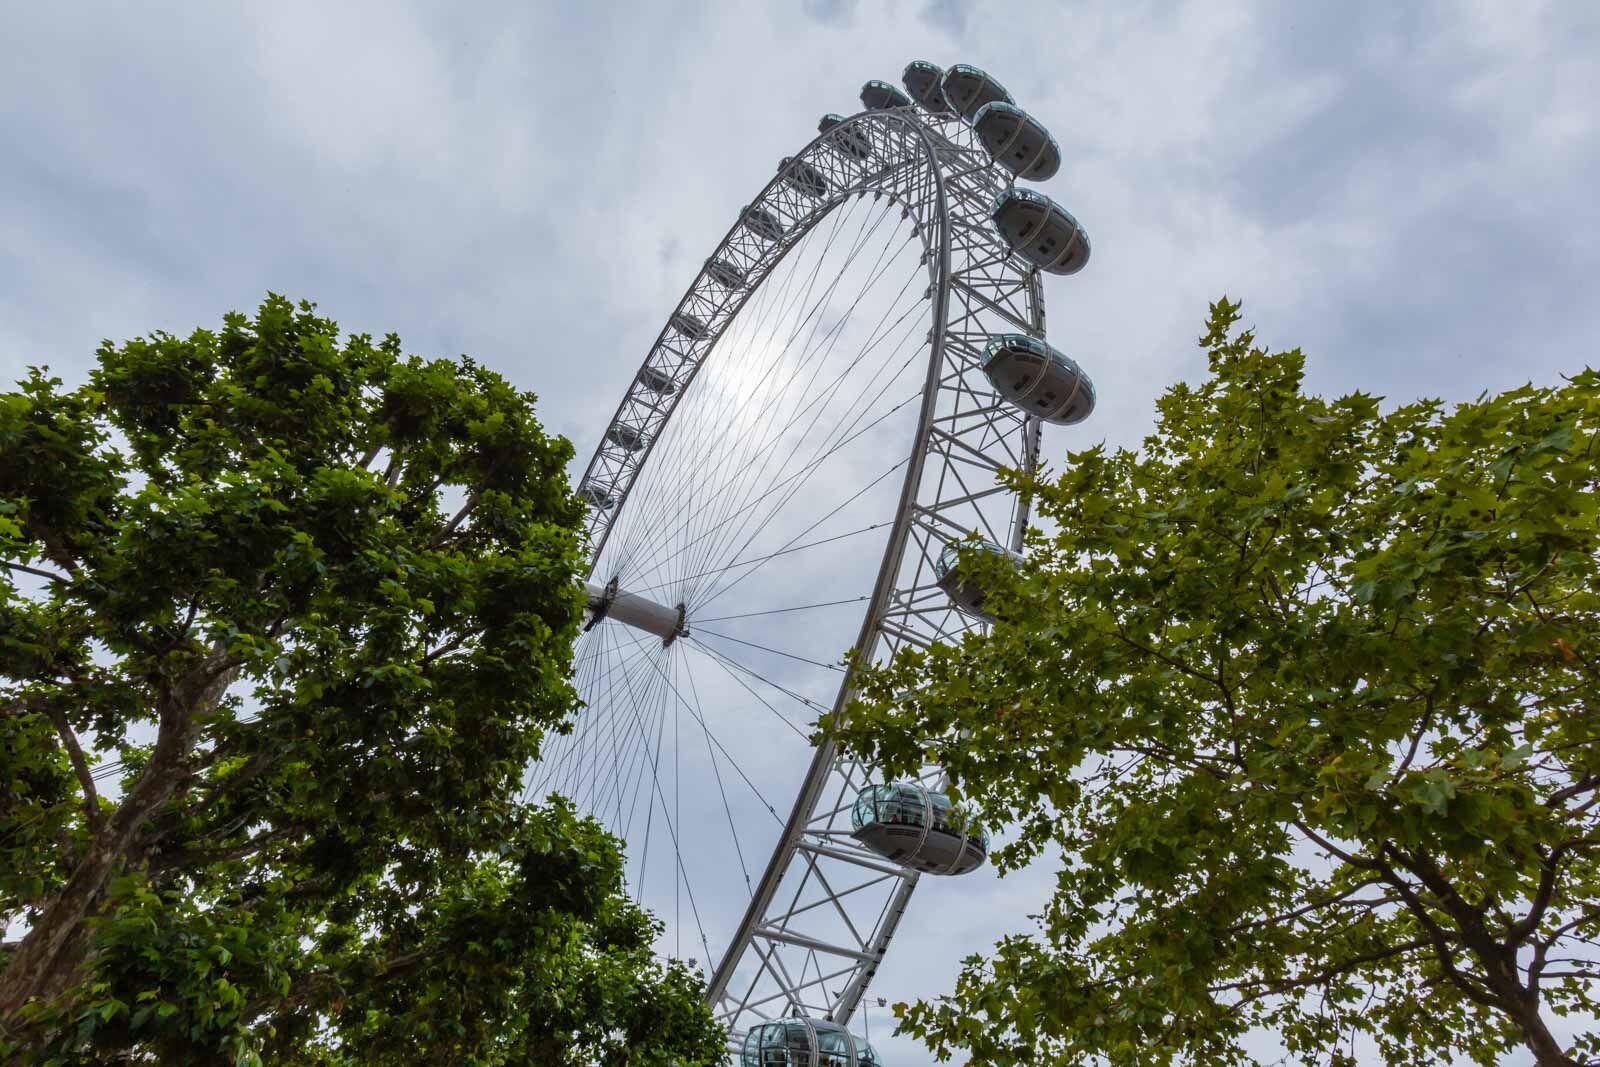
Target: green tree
[
  {"x": 1298, "y": 702},
  {"x": 311, "y": 604}
]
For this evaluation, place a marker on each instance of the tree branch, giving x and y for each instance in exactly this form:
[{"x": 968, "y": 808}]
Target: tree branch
[
  {"x": 1416, "y": 740},
  {"x": 1270, "y": 988},
  {"x": 1472, "y": 936},
  {"x": 54, "y": 550},
  {"x": 391, "y": 474},
  {"x": 1171, "y": 662},
  {"x": 1581, "y": 786},
  {"x": 80, "y": 767},
  {"x": 257, "y": 764},
  {"x": 20, "y": 706},
  {"x": 449, "y": 646},
  {"x": 317, "y": 982},
  {"x": 450, "y": 527},
  {"x": 36, "y": 572},
  {"x": 51, "y": 948},
  {"x": 1336, "y": 851},
  {"x": 199, "y": 856},
  {"x": 1549, "y": 867},
  {"x": 1316, "y": 905},
  {"x": 183, "y": 630}
]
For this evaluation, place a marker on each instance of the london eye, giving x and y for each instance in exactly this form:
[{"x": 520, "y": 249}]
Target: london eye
[{"x": 805, "y": 463}]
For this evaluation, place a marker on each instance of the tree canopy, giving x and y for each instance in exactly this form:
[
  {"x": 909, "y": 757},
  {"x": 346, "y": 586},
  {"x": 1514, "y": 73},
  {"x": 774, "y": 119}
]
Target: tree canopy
[
  {"x": 1297, "y": 702},
  {"x": 283, "y": 618}
]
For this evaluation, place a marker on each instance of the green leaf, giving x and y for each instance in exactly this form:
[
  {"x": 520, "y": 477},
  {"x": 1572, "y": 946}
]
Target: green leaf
[
  {"x": 340, "y": 869},
  {"x": 1299, "y": 698}
]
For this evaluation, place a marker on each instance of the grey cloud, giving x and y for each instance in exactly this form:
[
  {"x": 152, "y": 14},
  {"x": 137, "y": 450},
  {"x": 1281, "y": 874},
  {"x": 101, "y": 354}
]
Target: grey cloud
[
  {"x": 1403, "y": 190},
  {"x": 829, "y": 12},
  {"x": 947, "y": 15}
]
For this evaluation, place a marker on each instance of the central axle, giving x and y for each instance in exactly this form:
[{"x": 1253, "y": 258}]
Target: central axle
[{"x": 610, "y": 602}]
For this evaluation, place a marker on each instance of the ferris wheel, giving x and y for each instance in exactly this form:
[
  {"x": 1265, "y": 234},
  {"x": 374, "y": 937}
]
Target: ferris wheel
[{"x": 805, "y": 464}]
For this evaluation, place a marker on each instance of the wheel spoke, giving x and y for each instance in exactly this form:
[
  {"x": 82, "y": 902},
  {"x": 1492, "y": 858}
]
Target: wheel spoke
[{"x": 815, "y": 402}]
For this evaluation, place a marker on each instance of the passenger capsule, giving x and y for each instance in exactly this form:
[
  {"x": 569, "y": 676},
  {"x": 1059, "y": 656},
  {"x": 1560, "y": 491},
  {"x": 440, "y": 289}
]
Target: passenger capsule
[
  {"x": 625, "y": 437},
  {"x": 916, "y": 828},
  {"x": 850, "y": 139},
  {"x": 880, "y": 96},
  {"x": 1017, "y": 141},
  {"x": 597, "y": 497},
  {"x": 966, "y": 590},
  {"x": 1038, "y": 379},
  {"x": 1041, "y": 231},
  {"x": 762, "y": 222},
  {"x": 725, "y": 274},
  {"x": 967, "y": 88},
  {"x": 923, "y": 81},
  {"x": 803, "y": 177},
  {"x": 657, "y": 381},
  {"x": 689, "y": 325},
  {"x": 803, "y": 1042}
]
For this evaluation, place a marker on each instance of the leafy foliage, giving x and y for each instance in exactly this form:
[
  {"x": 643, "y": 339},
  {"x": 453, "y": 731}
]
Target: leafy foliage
[
  {"x": 231, "y": 569},
  {"x": 1298, "y": 700}
]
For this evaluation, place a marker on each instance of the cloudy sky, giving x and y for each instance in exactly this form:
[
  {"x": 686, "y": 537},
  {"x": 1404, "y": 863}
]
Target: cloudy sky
[{"x": 1405, "y": 191}]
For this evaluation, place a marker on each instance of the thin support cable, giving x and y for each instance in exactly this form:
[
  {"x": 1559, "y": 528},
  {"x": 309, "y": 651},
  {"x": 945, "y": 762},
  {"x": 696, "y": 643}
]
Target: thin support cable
[
  {"x": 727, "y": 809},
  {"x": 775, "y": 651},
  {"x": 784, "y": 611},
  {"x": 785, "y": 690}
]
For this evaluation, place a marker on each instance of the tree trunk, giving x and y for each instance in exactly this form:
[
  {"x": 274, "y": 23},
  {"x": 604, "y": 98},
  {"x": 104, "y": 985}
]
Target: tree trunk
[
  {"x": 48, "y": 957},
  {"x": 1516, "y": 1000},
  {"x": 1498, "y": 961},
  {"x": 40, "y": 967},
  {"x": 1546, "y": 1049}
]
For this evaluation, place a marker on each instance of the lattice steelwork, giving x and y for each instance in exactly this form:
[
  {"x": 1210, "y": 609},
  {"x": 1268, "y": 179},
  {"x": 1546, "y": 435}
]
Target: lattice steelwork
[{"x": 823, "y": 911}]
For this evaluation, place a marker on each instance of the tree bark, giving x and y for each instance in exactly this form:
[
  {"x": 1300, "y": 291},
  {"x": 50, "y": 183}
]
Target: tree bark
[
  {"x": 1497, "y": 958},
  {"x": 1546, "y": 1049},
  {"x": 49, "y": 955},
  {"x": 1517, "y": 1001}
]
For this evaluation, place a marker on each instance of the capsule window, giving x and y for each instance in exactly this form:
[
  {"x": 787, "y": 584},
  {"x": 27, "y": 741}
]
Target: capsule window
[
  {"x": 804, "y": 178},
  {"x": 833, "y": 1049},
  {"x": 853, "y": 142},
  {"x": 657, "y": 380},
  {"x": 626, "y": 437},
  {"x": 922, "y": 80},
  {"x": 726, "y": 274},
  {"x": 689, "y": 325},
  {"x": 763, "y": 223}
]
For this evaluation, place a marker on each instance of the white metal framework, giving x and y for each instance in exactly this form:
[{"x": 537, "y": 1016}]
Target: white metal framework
[{"x": 813, "y": 924}]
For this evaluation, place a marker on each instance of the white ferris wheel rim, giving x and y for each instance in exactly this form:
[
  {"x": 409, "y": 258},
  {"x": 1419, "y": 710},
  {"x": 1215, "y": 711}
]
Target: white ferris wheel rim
[{"x": 945, "y": 181}]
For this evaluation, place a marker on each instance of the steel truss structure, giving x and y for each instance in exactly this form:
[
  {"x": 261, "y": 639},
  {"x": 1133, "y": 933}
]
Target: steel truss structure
[{"x": 824, "y": 911}]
